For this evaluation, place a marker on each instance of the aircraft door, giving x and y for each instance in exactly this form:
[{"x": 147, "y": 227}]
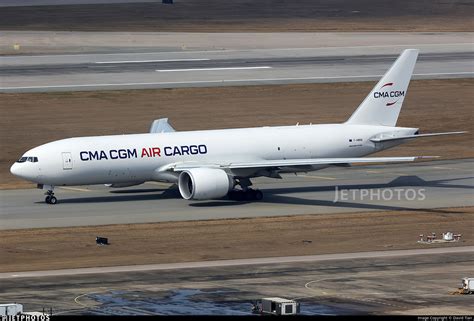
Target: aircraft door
[{"x": 67, "y": 161}]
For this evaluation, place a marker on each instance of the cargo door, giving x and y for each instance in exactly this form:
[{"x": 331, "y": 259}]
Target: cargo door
[{"x": 67, "y": 161}]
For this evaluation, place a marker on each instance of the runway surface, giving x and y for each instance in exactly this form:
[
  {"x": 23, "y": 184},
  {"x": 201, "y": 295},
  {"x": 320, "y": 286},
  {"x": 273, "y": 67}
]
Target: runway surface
[
  {"x": 168, "y": 71},
  {"x": 169, "y": 66},
  {"x": 425, "y": 185},
  {"x": 419, "y": 282}
]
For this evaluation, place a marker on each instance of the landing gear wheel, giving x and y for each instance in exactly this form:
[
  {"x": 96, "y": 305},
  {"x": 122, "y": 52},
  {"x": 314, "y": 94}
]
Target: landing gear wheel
[
  {"x": 50, "y": 199},
  {"x": 253, "y": 195},
  {"x": 249, "y": 195},
  {"x": 53, "y": 200},
  {"x": 236, "y": 195}
]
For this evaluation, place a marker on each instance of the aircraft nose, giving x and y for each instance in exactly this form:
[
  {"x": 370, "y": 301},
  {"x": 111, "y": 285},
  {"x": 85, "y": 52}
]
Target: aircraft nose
[
  {"x": 14, "y": 169},
  {"x": 20, "y": 171}
]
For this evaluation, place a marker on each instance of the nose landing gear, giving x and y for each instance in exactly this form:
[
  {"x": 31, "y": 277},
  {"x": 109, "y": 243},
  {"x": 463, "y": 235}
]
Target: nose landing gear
[{"x": 50, "y": 198}]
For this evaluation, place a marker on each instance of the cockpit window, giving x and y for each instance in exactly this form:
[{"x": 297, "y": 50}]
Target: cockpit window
[
  {"x": 32, "y": 159},
  {"x": 22, "y": 160}
]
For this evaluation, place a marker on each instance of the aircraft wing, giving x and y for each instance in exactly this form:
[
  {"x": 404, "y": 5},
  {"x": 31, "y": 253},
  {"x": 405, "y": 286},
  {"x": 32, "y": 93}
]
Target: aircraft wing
[
  {"x": 291, "y": 162},
  {"x": 389, "y": 139}
]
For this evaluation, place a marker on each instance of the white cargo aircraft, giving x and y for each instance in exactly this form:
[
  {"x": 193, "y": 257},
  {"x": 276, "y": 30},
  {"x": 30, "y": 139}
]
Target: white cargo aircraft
[{"x": 209, "y": 164}]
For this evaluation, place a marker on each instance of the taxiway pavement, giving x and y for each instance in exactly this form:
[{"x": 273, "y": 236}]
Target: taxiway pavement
[
  {"x": 423, "y": 185},
  {"x": 345, "y": 284}
]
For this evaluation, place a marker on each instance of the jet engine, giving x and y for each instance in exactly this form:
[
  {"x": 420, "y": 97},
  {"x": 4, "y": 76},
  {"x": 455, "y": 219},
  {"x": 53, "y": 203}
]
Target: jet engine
[
  {"x": 204, "y": 183},
  {"x": 127, "y": 184}
]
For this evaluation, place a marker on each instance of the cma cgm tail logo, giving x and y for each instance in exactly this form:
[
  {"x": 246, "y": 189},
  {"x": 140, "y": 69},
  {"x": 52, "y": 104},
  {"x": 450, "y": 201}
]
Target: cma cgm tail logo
[{"x": 389, "y": 94}]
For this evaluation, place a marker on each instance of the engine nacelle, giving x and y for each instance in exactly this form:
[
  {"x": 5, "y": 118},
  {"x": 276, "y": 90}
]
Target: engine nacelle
[
  {"x": 204, "y": 183},
  {"x": 127, "y": 184}
]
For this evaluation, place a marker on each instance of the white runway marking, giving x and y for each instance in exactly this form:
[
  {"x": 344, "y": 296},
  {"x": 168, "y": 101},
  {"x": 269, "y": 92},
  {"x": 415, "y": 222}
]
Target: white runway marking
[
  {"x": 214, "y": 69},
  {"x": 444, "y": 73},
  {"x": 158, "y": 60},
  {"x": 224, "y": 81},
  {"x": 76, "y": 299}
]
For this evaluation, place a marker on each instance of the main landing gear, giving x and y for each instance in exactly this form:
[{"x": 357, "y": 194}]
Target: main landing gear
[
  {"x": 246, "y": 193},
  {"x": 50, "y": 198}
]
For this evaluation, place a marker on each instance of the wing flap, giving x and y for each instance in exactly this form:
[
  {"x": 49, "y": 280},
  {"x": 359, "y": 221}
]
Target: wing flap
[{"x": 320, "y": 161}]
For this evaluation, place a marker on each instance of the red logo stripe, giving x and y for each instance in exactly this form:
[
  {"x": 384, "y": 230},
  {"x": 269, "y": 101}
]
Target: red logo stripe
[
  {"x": 390, "y": 104},
  {"x": 387, "y": 84}
]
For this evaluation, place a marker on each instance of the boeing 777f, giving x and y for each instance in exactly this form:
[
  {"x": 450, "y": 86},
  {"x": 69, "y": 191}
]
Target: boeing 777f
[{"x": 211, "y": 164}]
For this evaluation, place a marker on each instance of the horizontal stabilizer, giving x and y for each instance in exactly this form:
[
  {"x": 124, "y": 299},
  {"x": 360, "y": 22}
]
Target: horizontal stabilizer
[
  {"x": 389, "y": 139},
  {"x": 161, "y": 126}
]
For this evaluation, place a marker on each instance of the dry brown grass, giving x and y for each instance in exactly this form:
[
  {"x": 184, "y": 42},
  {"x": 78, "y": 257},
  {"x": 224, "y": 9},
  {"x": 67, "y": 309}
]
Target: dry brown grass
[
  {"x": 28, "y": 120},
  {"x": 244, "y": 15},
  {"x": 168, "y": 242}
]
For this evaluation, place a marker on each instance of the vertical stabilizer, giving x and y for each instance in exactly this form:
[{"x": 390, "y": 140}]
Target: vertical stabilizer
[{"x": 382, "y": 106}]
